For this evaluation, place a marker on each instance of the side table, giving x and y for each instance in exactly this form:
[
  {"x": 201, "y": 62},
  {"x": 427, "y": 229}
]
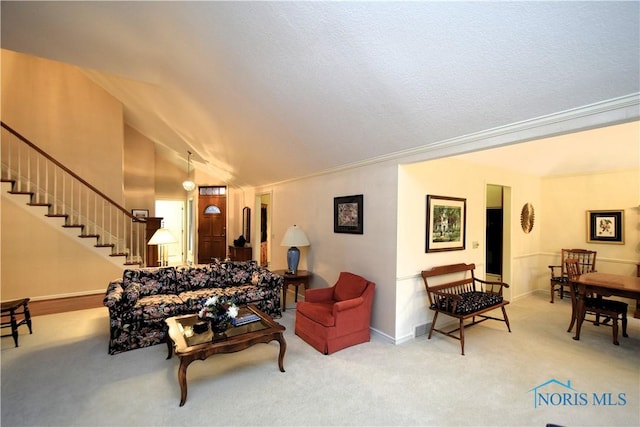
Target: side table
[
  {"x": 300, "y": 278},
  {"x": 9, "y": 311}
]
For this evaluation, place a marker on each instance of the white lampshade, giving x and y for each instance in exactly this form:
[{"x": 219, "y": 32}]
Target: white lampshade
[
  {"x": 295, "y": 236},
  {"x": 162, "y": 236}
]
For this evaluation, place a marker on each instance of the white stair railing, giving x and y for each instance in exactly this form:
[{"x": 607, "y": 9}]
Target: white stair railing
[{"x": 49, "y": 183}]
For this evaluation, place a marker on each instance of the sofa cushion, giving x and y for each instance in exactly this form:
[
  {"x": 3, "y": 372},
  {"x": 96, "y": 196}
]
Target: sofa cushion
[
  {"x": 233, "y": 273},
  {"x": 157, "y": 307},
  {"x": 349, "y": 286},
  {"x": 194, "y": 299},
  {"x": 128, "y": 276},
  {"x": 155, "y": 281},
  {"x": 197, "y": 277}
]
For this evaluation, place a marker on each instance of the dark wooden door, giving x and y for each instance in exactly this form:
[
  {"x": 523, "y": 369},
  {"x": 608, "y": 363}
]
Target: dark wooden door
[
  {"x": 494, "y": 241},
  {"x": 212, "y": 224}
]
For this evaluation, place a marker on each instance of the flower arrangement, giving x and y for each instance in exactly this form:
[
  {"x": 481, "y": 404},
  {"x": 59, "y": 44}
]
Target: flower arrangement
[{"x": 218, "y": 311}]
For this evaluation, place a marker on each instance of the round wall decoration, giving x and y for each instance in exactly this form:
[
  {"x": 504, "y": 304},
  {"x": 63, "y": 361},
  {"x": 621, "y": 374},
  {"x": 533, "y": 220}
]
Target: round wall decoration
[{"x": 527, "y": 217}]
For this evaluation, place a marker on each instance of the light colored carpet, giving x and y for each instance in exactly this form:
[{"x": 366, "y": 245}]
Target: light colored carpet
[{"x": 62, "y": 375}]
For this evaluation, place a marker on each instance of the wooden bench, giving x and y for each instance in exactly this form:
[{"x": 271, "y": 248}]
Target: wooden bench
[{"x": 466, "y": 297}]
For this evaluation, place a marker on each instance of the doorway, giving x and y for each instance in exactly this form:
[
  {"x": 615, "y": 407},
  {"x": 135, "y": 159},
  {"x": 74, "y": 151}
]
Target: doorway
[
  {"x": 264, "y": 202},
  {"x": 498, "y": 237},
  {"x": 172, "y": 214},
  {"x": 212, "y": 223}
]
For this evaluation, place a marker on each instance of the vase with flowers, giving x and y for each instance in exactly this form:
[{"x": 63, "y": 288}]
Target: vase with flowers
[{"x": 218, "y": 311}]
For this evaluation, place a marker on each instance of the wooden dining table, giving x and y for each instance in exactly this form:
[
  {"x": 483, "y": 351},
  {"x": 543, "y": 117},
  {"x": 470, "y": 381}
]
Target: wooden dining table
[{"x": 605, "y": 284}]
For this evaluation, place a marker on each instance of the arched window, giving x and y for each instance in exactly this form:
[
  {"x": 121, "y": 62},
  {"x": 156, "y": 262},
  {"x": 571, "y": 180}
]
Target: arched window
[{"x": 212, "y": 210}]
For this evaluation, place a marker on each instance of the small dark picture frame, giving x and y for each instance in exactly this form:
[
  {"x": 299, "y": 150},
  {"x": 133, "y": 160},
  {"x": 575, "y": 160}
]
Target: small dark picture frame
[
  {"x": 348, "y": 214},
  {"x": 140, "y": 213},
  {"x": 605, "y": 227},
  {"x": 446, "y": 223}
]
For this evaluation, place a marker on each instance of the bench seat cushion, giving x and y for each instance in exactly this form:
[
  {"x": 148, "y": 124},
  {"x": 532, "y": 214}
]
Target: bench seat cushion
[{"x": 470, "y": 303}]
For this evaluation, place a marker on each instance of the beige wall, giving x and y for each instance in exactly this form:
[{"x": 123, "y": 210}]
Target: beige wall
[
  {"x": 139, "y": 171},
  {"x": 444, "y": 177},
  {"x": 56, "y": 107},
  {"x": 60, "y": 110},
  {"x": 566, "y": 199},
  {"x": 308, "y": 203},
  {"x": 42, "y": 260}
]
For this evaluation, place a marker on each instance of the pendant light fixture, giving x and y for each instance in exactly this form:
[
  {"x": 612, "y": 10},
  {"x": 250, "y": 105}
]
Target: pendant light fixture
[{"x": 187, "y": 184}]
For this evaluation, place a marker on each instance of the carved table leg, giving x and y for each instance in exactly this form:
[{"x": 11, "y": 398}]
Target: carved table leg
[
  {"x": 169, "y": 347},
  {"x": 182, "y": 379},
  {"x": 283, "y": 348}
]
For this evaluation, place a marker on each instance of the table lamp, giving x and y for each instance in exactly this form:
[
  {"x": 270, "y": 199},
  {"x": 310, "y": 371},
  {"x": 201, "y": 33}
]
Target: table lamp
[
  {"x": 162, "y": 237},
  {"x": 294, "y": 237}
]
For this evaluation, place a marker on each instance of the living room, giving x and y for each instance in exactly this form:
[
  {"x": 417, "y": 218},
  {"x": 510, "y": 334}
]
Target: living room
[
  {"x": 411, "y": 180},
  {"x": 69, "y": 115}
]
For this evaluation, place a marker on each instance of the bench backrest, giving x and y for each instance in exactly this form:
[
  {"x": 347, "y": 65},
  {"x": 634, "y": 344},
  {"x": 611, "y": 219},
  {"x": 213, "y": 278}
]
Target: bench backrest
[{"x": 465, "y": 279}]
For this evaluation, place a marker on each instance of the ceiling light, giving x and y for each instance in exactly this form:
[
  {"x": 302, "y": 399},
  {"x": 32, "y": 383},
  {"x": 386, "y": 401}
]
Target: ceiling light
[{"x": 187, "y": 184}]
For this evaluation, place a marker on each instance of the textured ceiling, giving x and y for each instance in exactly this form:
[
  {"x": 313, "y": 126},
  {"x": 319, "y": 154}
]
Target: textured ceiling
[{"x": 268, "y": 91}]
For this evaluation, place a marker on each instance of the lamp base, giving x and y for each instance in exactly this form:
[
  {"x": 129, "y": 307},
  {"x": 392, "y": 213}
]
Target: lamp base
[{"x": 293, "y": 258}]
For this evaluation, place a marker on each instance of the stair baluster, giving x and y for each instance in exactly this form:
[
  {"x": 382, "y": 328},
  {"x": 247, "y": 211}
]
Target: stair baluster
[{"x": 49, "y": 183}]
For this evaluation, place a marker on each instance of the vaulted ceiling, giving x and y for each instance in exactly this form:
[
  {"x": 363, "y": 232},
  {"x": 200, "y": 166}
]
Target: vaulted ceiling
[{"x": 268, "y": 91}]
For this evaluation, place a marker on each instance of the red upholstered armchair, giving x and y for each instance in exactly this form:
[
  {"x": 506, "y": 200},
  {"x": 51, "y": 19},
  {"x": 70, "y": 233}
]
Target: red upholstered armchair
[{"x": 330, "y": 319}]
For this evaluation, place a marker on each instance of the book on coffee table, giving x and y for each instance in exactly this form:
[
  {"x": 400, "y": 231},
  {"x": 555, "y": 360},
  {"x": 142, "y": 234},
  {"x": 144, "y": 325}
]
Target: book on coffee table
[{"x": 245, "y": 318}]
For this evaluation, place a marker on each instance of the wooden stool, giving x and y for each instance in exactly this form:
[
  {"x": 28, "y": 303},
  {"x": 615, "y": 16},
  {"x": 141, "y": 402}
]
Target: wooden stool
[{"x": 9, "y": 310}]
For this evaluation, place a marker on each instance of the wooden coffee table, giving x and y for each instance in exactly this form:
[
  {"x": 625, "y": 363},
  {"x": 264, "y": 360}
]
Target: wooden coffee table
[{"x": 201, "y": 346}]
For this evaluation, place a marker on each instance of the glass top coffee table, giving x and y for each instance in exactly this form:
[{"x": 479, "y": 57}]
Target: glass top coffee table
[{"x": 190, "y": 346}]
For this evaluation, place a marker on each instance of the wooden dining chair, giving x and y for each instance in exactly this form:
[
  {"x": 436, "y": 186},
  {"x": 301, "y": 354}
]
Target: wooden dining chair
[
  {"x": 586, "y": 262},
  {"x": 595, "y": 305}
]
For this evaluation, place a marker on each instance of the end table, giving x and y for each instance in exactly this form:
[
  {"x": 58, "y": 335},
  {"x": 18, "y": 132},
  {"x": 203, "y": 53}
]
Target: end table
[{"x": 301, "y": 277}]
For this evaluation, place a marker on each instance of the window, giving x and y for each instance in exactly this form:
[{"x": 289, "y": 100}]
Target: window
[
  {"x": 213, "y": 191},
  {"x": 212, "y": 210}
]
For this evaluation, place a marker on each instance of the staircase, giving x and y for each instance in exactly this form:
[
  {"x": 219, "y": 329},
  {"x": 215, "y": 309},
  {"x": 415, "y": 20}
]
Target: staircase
[{"x": 47, "y": 183}]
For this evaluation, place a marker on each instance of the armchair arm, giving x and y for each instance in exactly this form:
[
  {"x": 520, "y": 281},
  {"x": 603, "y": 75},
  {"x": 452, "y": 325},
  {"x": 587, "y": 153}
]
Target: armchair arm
[
  {"x": 318, "y": 295},
  {"x": 347, "y": 304},
  {"x": 553, "y": 270}
]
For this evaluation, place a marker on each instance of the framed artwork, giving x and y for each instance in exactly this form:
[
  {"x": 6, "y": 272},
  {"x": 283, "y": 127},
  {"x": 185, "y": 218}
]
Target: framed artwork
[
  {"x": 348, "y": 214},
  {"x": 140, "y": 213},
  {"x": 446, "y": 223},
  {"x": 605, "y": 227}
]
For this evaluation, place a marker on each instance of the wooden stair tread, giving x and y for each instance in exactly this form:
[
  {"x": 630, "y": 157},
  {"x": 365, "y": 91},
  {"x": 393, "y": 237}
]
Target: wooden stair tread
[{"x": 66, "y": 216}]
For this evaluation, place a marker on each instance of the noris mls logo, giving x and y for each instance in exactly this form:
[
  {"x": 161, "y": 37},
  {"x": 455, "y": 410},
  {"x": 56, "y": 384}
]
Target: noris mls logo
[{"x": 554, "y": 393}]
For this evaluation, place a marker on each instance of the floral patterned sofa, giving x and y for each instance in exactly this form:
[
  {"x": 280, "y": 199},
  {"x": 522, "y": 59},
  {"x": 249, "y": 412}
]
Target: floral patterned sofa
[{"x": 139, "y": 302}]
